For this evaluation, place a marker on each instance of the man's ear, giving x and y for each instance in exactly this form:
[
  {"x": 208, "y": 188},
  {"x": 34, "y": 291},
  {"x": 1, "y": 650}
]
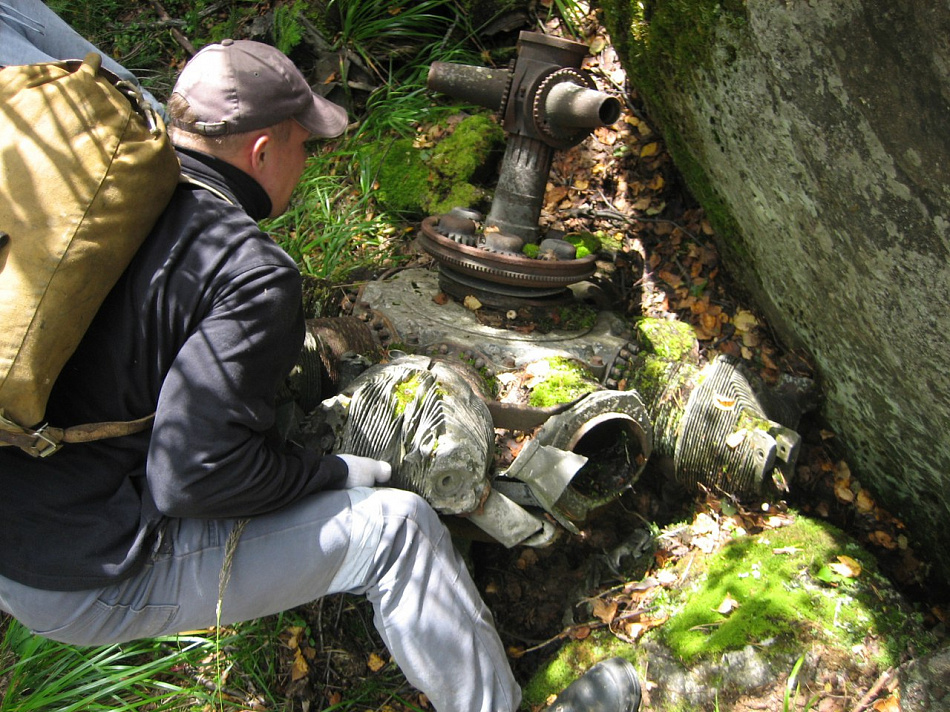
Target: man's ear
[{"x": 258, "y": 152}]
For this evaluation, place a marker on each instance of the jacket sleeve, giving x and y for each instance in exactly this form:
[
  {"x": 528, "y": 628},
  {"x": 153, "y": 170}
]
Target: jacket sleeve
[{"x": 209, "y": 454}]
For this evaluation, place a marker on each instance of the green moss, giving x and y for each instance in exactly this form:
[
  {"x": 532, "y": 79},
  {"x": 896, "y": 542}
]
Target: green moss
[
  {"x": 570, "y": 663},
  {"x": 783, "y": 601},
  {"x": 669, "y": 340},
  {"x": 406, "y": 392},
  {"x": 662, "y": 43},
  {"x": 586, "y": 243},
  {"x": 417, "y": 181},
  {"x": 564, "y": 381},
  {"x": 610, "y": 242},
  {"x": 460, "y": 195},
  {"x": 651, "y": 376},
  {"x": 462, "y": 154},
  {"x": 403, "y": 178}
]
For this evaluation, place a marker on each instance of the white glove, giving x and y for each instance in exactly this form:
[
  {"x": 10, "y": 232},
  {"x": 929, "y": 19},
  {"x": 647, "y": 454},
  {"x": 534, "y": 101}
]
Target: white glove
[{"x": 365, "y": 471}]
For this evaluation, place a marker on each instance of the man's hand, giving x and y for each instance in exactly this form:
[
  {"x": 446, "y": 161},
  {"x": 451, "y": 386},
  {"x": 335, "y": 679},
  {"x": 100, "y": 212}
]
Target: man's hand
[{"x": 365, "y": 471}]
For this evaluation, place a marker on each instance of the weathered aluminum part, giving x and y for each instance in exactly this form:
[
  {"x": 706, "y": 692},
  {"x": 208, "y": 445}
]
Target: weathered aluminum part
[
  {"x": 725, "y": 440},
  {"x": 510, "y": 524},
  {"x": 598, "y": 410},
  {"x": 548, "y": 472},
  {"x": 503, "y": 268},
  {"x": 407, "y": 301},
  {"x": 423, "y": 418}
]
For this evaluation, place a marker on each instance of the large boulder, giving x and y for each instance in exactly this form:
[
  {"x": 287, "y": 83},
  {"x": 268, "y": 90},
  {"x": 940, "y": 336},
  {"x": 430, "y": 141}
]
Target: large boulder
[{"x": 816, "y": 135}]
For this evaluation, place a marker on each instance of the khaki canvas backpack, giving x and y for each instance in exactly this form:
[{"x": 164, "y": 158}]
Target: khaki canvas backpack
[{"x": 86, "y": 168}]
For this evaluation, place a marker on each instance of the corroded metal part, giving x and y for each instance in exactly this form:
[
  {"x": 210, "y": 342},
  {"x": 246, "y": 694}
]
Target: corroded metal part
[
  {"x": 424, "y": 419},
  {"x": 599, "y": 418},
  {"x": 510, "y": 524},
  {"x": 458, "y": 225},
  {"x": 547, "y": 471},
  {"x": 546, "y": 102},
  {"x": 503, "y": 268},
  {"x": 727, "y": 441}
]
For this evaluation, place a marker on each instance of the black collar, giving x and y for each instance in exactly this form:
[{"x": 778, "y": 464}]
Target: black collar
[{"x": 229, "y": 179}]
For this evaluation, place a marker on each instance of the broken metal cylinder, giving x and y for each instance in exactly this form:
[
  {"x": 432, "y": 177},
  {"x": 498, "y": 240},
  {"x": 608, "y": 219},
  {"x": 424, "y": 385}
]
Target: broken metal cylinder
[
  {"x": 422, "y": 417},
  {"x": 712, "y": 430}
]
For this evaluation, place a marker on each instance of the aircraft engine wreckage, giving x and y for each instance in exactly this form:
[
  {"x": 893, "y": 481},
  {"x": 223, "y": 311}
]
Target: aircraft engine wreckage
[
  {"x": 432, "y": 420},
  {"x": 429, "y": 415}
]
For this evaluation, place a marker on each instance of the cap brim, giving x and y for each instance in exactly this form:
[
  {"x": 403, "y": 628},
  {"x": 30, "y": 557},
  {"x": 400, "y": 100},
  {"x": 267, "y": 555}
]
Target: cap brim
[{"x": 323, "y": 118}]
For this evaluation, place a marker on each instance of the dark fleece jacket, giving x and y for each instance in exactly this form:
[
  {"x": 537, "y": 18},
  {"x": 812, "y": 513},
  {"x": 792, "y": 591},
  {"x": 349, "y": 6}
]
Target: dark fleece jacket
[{"x": 201, "y": 329}]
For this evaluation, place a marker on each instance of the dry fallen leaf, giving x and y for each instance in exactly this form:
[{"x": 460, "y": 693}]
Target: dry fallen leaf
[
  {"x": 744, "y": 320},
  {"x": 604, "y": 611},
  {"x": 843, "y": 491},
  {"x": 846, "y": 566},
  {"x": 728, "y": 605},
  {"x": 375, "y": 662},
  {"x": 891, "y": 703},
  {"x": 864, "y": 502},
  {"x": 882, "y": 538},
  {"x": 471, "y": 303},
  {"x": 300, "y": 668},
  {"x": 580, "y": 632}
]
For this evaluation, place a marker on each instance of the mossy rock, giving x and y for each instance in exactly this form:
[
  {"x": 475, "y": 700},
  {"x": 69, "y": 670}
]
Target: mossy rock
[
  {"x": 455, "y": 173},
  {"x": 403, "y": 178},
  {"x": 804, "y": 589},
  {"x": 660, "y": 45}
]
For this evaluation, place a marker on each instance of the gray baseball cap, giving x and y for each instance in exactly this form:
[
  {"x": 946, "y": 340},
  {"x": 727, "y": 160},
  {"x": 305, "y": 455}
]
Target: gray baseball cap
[{"x": 242, "y": 85}]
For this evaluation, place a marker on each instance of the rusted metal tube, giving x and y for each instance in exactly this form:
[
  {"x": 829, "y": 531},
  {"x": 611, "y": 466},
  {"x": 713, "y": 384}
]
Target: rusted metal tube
[
  {"x": 573, "y": 106},
  {"x": 519, "y": 195},
  {"x": 484, "y": 86}
]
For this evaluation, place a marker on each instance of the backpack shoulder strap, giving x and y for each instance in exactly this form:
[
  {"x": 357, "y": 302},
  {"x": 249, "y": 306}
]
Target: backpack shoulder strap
[
  {"x": 46, "y": 440},
  {"x": 191, "y": 180}
]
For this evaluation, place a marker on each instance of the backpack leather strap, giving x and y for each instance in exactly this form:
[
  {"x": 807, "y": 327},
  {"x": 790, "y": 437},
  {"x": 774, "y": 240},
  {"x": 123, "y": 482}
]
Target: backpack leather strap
[{"x": 45, "y": 440}]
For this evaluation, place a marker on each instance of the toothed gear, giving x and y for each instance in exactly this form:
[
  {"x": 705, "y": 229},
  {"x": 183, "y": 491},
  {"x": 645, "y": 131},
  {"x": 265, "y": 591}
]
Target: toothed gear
[
  {"x": 506, "y": 94},
  {"x": 553, "y": 136}
]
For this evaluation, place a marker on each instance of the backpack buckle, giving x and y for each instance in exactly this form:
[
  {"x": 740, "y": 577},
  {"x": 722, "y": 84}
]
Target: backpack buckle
[{"x": 43, "y": 445}]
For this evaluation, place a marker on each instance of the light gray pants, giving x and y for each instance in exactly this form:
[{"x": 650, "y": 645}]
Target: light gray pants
[
  {"x": 385, "y": 543},
  {"x": 31, "y": 33}
]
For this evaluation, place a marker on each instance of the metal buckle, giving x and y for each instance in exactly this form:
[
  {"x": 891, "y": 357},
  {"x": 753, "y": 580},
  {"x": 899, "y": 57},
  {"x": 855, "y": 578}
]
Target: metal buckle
[{"x": 50, "y": 446}]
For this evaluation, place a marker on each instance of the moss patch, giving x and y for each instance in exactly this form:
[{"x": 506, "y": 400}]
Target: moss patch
[
  {"x": 569, "y": 664},
  {"x": 668, "y": 340},
  {"x": 452, "y": 174},
  {"x": 783, "y": 591},
  {"x": 559, "y": 380},
  {"x": 789, "y": 602},
  {"x": 406, "y": 392},
  {"x": 403, "y": 178}
]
